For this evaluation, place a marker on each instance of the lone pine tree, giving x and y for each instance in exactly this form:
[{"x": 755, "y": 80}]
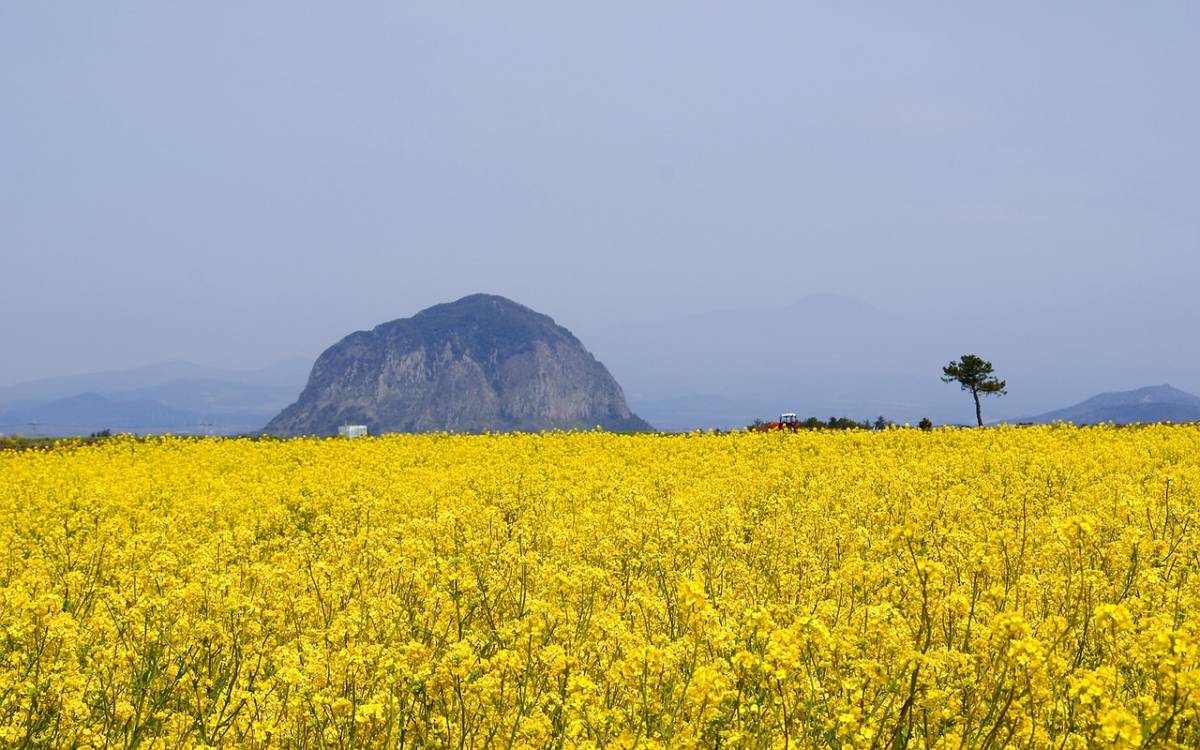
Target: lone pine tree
[{"x": 976, "y": 375}]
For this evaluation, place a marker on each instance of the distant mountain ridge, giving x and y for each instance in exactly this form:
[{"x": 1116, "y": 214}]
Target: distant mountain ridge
[
  {"x": 281, "y": 374},
  {"x": 90, "y": 412},
  {"x": 1159, "y": 403},
  {"x": 177, "y": 397},
  {"x": 480, "y": 363}
]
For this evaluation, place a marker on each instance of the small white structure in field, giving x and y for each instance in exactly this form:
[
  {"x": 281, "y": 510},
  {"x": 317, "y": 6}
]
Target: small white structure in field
[{"x": 352, "y": 430}]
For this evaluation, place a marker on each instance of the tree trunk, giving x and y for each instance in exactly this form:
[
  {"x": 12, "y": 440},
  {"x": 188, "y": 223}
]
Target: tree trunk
[{"x": 978, "y": 411}]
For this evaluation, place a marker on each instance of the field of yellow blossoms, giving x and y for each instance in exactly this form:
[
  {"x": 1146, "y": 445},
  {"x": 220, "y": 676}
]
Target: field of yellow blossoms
[{"x": 1034, "y": 587}]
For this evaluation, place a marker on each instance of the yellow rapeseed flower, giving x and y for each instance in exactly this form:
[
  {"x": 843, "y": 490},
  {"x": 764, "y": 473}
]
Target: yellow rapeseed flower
[{"x": 987, "y": 588}]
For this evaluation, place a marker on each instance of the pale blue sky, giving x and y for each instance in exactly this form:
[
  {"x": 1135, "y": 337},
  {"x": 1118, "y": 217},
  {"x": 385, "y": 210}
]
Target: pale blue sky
[{"x": 237, "y": 183}]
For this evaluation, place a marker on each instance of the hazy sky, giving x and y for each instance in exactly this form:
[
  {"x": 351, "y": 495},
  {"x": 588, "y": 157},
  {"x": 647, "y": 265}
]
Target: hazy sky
[{"x": 237, "y": 183}]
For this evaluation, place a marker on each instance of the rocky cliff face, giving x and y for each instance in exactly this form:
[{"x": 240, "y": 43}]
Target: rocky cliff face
[{"x": 481, "y": 363}]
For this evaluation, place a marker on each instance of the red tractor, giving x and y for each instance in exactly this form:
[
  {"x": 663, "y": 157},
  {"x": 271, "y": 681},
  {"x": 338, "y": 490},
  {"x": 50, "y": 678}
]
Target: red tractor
[{"x": 787, "y": 421}]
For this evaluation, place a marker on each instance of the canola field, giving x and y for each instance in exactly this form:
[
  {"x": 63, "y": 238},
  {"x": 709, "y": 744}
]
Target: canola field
[{"x": 1032, "y": 588}]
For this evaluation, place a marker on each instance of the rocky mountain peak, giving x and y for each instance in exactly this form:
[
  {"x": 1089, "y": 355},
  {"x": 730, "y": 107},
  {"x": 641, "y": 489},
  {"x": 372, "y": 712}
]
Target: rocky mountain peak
[{"x": 480, "y": 363}]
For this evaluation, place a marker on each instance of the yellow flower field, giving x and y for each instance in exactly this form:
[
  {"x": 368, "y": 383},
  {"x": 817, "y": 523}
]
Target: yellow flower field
[{"x": 989, "y": 588}]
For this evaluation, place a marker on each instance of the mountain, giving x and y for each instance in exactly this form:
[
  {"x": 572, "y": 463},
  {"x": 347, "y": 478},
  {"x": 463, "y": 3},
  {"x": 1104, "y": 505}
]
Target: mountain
[
  {"x": 85, "y": 413},
  {"x": 286, "y": 374},
  {"x": 90, "y": 412},
  {"x": 63, "y": 386},
  {"x": 481, "y": 363},
  {"x": 215, "y": 396},
  {"x": 178, "y": 397},
  {"x": 1159, "y": 403}
]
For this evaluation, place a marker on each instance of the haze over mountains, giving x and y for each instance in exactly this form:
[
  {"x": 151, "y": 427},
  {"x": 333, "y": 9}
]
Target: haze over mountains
[
  {"x": 832, "y": 354},
  {"x": 820, "y": 355},
  {"x": 177, "y": 397},
  {"x": 191, "y": 181}
]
